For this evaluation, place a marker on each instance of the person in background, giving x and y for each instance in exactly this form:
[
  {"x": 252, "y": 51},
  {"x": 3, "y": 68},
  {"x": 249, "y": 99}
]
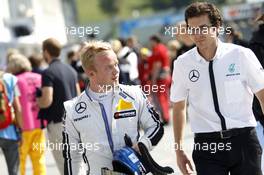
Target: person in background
[
  {"x": 37, "y": 63},
  {"x": 160, "y": 76},
  {"x": 235, "y": 37},
  {"x": 10, "y": 136},
  {"x": 59, "y": 84},
  {"x": 38, "y": 66},
  {"x": 74, "y": 60},
  {"x": 10, "y": 52},
  {"x": 173, "y": 47},
  {"x": 184, "y": 38},
  {"x": 143, "y": 67},
  {"x": 256, "y": 44},
  {"x": 116, "y": 45},
  {"x": 134, "y": 45},
  {"x": 32, "y": 134},
  {"x": 128, "y": 64}
]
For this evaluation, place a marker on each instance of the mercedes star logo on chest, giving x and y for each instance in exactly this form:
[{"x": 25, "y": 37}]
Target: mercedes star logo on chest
[
  {"x": 194, "y": 75},
  {"x": 80, "y": 107}
]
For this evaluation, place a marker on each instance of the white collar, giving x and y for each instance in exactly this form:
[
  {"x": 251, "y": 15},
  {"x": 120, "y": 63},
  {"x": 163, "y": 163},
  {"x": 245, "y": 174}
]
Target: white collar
[
  {"x": 217, "y": 55},
  {"x": 100, "y": 96}
]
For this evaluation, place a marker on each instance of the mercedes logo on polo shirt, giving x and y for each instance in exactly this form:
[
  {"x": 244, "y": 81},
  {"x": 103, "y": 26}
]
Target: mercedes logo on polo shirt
[
  {"x": 80, "y": 107},
  {"x": 194, "y": 75}
]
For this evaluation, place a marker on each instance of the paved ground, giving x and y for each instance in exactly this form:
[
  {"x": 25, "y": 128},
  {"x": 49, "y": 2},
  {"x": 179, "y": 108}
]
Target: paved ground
[{"x": 163, "y": 154}]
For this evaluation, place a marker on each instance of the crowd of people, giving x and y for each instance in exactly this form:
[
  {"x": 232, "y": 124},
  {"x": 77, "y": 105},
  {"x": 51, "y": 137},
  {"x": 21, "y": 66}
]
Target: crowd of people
[{"x": 92, "y": 99}]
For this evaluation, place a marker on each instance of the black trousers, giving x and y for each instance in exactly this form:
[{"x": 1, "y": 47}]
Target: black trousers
[
  {"x": 238, "y": 155},
  {"x": 10, "y": 150}
]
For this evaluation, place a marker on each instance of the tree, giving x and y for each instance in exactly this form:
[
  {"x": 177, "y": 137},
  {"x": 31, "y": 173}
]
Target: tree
[
  {"x": 165, "y": 4},
  {"x": 177, "y": 4},
  {"x": 111, "y": 7}
]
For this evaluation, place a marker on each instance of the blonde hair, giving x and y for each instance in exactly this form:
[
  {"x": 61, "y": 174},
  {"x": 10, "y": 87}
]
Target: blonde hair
[
  {"x": 116, "y": 45},
  {"x": 173, "y": 45},
  {"x": 91, "y": 50},
  {"x": 10, "y": 52},
  {"x": 18, "y": 63}
]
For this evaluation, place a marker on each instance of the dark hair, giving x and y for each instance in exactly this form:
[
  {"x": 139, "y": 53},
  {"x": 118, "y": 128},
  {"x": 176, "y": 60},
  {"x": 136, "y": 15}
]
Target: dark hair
[
  {"x": 36, "y": 60},
  {"x": 70, "y": 54},
  {"x": 155, "y": 38},
  {"x": 53, "y": 47},
  {"x": 202, "y": 8},
  {"x": 122, "y": 41}
]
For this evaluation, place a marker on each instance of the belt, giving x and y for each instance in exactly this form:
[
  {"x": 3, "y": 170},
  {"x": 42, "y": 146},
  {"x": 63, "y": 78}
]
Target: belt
[{"x": 225, "y": 134}]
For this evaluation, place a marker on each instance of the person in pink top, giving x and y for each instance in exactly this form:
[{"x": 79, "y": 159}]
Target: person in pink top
[{"x": 33, "y": 138}]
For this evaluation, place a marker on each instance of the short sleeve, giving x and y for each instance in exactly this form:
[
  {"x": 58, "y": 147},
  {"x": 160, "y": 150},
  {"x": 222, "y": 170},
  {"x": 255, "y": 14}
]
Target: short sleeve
[
  {"x": 10, "y": 82},
  {"x": 178, "y": 91},
  {"x": 16, "y": 91},
  {"x": 46, "y": 79},
  {"x": 253, "y": 70}
]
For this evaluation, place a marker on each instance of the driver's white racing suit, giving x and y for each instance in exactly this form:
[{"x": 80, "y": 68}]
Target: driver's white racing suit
[{"x": 88, "y": 141}]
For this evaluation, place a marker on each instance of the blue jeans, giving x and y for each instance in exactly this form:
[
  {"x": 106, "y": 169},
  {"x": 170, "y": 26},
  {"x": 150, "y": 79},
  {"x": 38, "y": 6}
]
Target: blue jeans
[{"x": 10, "y": 150}]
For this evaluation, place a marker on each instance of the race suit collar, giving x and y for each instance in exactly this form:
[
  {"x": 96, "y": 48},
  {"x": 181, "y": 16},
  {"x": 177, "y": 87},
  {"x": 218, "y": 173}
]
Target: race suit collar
[{"x": 116, "y": 91}]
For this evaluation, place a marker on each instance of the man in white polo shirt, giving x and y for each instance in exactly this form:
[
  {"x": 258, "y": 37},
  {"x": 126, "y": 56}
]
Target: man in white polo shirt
[{"x": 219, "y": 81}]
